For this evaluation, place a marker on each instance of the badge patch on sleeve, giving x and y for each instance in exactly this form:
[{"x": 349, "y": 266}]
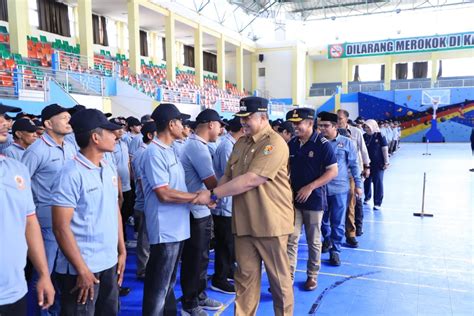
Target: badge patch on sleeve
[
  {"x": 20, "y": 182},
  {"x": 268, "y": 149}
]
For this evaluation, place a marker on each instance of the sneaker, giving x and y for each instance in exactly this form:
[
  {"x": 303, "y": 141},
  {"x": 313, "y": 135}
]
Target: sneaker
[
  {"x": 366, "y": 202},
  {"x": 210, "y": 304},
  {"x": 310, "y": 284},
  {"x": 223, "y": 287},
  {"x": 352, "y": 242},
  {"x": 377, "y": 207},
  {"x": 334, "y": 259},
  {"x": 124, "y": 291},
  {"x": 197, "y": 311},
  {"x": 359, "y": 231},
  {"x": 326, "y": 246}
]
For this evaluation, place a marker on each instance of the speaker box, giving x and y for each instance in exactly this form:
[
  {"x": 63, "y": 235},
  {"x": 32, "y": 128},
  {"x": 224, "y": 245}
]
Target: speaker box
[{"x": 260, "y": 57}]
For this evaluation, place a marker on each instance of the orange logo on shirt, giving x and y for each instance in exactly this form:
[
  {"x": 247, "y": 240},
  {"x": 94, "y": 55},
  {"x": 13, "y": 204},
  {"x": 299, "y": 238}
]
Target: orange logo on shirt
[
  {"x": 20, "y": 182},
  {"x": 268, "y": 149}
]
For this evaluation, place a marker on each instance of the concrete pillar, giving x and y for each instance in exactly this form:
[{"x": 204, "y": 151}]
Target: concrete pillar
[
  {"x": 170, "y": 47},
  {"x": 134, "y": 36},
  {"x": 434, "y": 69},
  {"x": 254, "y": 64},
  {"x": 198, "y": 57},
  {"x": 388, "y": 72},
  {"x": 239, "y": 67},
  {"x": 345, "y": 74},
  {"x": 18, "y": 27},
  {"x": 86, "y": 40},
  {"x": 221, "y": 62}
]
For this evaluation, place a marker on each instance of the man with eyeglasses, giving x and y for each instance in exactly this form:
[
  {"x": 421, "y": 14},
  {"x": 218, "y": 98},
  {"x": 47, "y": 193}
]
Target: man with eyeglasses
[{"x": 338, "y": 189}]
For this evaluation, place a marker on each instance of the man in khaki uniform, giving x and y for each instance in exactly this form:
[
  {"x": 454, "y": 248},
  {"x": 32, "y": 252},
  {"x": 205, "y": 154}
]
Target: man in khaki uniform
[{"x": 263, "y": 214}]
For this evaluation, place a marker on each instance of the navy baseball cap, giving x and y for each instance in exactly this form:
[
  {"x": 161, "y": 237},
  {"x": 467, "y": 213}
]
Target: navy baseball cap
[
  {"x": 234, "y": 124},
  {"x": 251, "y": 105},
  {"x": 297, "y": 115},
  {"x": 133, "y": 121},
  {"x": 6, "y": 108},
  {"x": 117, "y": 121},
  {"x": 286, "y": 126},
  {"x": 52, "y": 110},
  {"x": 89, "y": 119},
  {"x": 24, "y": 125},
  {"x": 327, "y": 116},
  {"x": 148, "y": 127},
  {"x": 166, "y": 112},
  {"x": 209, "y": 115},
  {"x": 77, "y": 108}
]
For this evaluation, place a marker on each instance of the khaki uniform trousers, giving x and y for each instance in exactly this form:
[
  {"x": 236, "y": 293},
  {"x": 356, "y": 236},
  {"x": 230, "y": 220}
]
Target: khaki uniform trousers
[
  {"x": 350, "y": 213},
  {"x": 250, "y": 252}
]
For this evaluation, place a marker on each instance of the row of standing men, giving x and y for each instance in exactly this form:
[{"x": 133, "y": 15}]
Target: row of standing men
[{"x": 74, "y": 193}]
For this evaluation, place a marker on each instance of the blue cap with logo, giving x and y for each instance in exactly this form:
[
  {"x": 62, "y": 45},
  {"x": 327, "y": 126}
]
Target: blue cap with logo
[
  {"x": 89, "y": 119},
  {"x": 251, "y": 105}
]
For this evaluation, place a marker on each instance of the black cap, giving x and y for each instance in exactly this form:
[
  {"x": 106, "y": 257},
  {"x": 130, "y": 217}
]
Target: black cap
[
  {"x": 297, "y": 115},
  {"x": 166, "y": 112},
  {"x": 52, "y": 110},
  {"x": 108, "y": 114},
  {"x": 286, "y": 126},
  {"x": 21, "y": 115},
  {"x": 77, "y": 108},
  {"x": 133, "y": 121},
  {"x": 327, "y": 116},
  {"x": 277, "y": 122},
  {"x": 189, "y": 123},
  {"x": 89, "y": 119},
  {"x": 38, "y": 123},
  {"x": 148, "y": 127},
  {"x": 24, "y": 124},
  {"x": 146, "y": 118},
  {"x": 117, "y": 121},
  {"x": 234, "y": 124},
  {"x": 6, "y": 108},
  {"x": 209, "y": 115},
  {"x": 251, "y": 105}
]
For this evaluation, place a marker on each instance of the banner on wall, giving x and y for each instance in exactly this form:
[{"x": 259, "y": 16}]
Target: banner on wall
[{"x": 402, "y": 45}]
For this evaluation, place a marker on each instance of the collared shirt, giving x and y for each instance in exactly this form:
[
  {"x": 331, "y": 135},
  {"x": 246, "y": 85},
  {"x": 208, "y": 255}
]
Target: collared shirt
[
  {"x": 134, "y": 145},
  {"x": 308, "y": 162},
  {"x": 14, "y": 151},
  {"x": 122, "y": 160},
  {"x": 346, "y": 155},
  {"x": 6, "y": 144},
  {"x": 267, "y": 210},
  {"x": 178, "y": 145},
  {"x": 374, "y": 143},
  {"x": 222, "y": 154},
  {"x": 71, "y": 138},
  {"x": 136, "y": 166},
  {"x": 44, "y": 159},
  {"x": 358, "y": 139},
  {"x": 165, "y": 222},
  {"x": 197, "y": 164},
  {"x": 212, "y": 147},
  {"x": 92, "y": 192},
  {"x": 16, "y": 203}
]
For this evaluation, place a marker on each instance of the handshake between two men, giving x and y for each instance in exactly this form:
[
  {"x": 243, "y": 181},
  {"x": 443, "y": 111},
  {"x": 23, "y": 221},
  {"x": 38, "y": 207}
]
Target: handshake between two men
[{"x": 205, "y": 198}]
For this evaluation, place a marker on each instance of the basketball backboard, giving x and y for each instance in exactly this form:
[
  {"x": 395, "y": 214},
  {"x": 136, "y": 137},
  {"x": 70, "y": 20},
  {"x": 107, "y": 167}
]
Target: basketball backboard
[{"x": 436, "y": 97}]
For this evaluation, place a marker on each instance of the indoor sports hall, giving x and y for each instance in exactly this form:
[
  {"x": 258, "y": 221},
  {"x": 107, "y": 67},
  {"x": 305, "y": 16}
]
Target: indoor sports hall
[{"x": 386, "y": 88}]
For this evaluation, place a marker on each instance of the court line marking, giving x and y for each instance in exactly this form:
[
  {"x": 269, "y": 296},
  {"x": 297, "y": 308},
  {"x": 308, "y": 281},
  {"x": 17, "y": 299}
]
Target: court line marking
[
  {"x": 226, "y": 305},
  {"x": 403, "y": 254},
  {"x": 390, "y": 282},
  {"x": 432, "y": 271}
]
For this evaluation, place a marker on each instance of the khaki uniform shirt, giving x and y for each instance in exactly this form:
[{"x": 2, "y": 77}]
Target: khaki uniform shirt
[{"x": 267, "y": 210}]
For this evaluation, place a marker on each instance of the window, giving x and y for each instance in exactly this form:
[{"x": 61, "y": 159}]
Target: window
[
  {"x": 112, "y": 32},
  {"x": 33, "y": 13},
  {"x": 458, "y": 67},
  {"x": 72, "y": 21}
]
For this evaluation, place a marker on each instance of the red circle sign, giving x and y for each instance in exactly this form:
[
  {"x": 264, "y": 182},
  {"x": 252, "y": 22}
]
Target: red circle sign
[{"x": 336, "y": 51}]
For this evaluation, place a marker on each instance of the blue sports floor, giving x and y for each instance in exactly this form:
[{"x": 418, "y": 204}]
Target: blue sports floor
[{"x": 404, "y": 265}]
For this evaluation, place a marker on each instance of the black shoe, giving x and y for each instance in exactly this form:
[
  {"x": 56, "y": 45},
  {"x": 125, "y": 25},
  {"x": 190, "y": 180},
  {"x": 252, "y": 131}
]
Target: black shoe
[
  {"x": 334, "y": 259},
  {"x": 223, "y": 287},
  {"x": 352, "y": 242},
  {"x": 326, "y": 246},
  {"x": 472, "y": 170},
  {"x": 124, "y": 291},
  {"x": 359, "y": 232}
]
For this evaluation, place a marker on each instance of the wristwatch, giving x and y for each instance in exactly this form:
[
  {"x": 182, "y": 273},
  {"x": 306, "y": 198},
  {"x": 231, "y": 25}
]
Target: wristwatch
[{"x": 214, "y": 197}]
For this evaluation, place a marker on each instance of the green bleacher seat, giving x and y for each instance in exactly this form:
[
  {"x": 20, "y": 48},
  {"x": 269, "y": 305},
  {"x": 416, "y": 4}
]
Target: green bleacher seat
[
  {"x": 43, "y": 39},
  {"x": 3, "y": 29},
  {"x": 34, "y": 39},
  {"x": 6, "y": 55}
]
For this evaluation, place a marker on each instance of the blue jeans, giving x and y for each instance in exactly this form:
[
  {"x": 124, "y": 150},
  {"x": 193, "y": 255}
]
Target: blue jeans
[
  {"x": 332, "y": 227},
  {"x": 161, "y": 269},
  {"x": 376, "y": 176}
]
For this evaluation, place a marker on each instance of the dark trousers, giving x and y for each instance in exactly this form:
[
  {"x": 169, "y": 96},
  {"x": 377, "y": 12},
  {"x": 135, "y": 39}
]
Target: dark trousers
[
  {"x": 224, "y": 248},
  {"x": 106, "y": 295},
  {"x": 194, "y": 262},
  {"x": 376, "y": 177},
  {"x": 127, "y": 209},
  {"x": 161, "y": 269},
  {"x": 359, "y": 213},
  {"x": 15, "y": 309}
]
